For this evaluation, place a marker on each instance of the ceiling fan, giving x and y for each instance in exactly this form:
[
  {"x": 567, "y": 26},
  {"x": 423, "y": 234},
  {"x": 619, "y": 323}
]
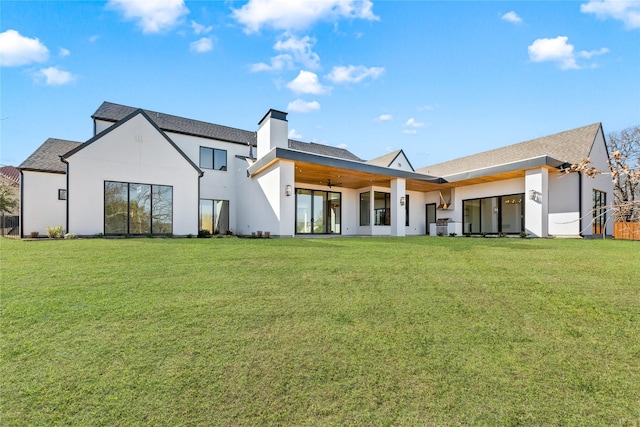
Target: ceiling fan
[{"x": 330, "y": 184}]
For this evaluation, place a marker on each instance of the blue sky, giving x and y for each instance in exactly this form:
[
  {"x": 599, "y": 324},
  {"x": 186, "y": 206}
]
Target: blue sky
[{"x": 438, "y": 79}]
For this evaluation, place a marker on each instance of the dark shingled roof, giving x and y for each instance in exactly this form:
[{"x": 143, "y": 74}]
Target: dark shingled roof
[
  {"x": 114, "y": 112},
  {"x": 570, "y": 146},
  {"x": 323, "y": 150},
  {"x": 47, "y": 156},
  {"x": 168, "y": 123}
]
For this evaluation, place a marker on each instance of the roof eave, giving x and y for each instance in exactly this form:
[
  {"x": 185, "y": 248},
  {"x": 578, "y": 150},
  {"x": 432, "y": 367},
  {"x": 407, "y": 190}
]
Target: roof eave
[
  {"x": 532, "y": 163},
  {"x": 300, "y": 156}
]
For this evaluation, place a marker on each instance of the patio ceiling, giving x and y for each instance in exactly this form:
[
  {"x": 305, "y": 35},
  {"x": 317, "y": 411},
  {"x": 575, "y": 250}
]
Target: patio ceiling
[
  {"x": 315, "y": 174},
  {"x": 319, "y": 170}
]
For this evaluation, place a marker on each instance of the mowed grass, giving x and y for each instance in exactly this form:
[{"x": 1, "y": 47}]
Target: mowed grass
[{"x": 358, "y": 331}]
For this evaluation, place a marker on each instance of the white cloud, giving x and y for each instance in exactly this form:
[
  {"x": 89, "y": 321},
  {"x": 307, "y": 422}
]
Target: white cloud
[
  {"x": 307, "y": 82},
  {"x": 203, "y": 45},
  {"x": 354, "y": 74},
  {"x": 410, "y": 131},
  {"x": 94, "y": 38},
  {"x": 384, "y": 118},
  {"x": 412, "y": 123},
  {"x": 56, "y": 77},
  {"x": 152, "y": 16},
  {"x": 64, "y": 52},
  {"x": 295, "y": 50},
  {"x": 512, "y": 17},
  {"x": 559, "y": 51},
  {"x": 590, "y": 54},
  {"x": 298, "y": 15},
  {"x": 294, "y": 135},
  {"x": 200, "y": 29},
  {"x": 625, "y": 11},
  {"x": 300, "y": 106},
  {"x": 278, "y": 63},
  {"x": 16, "y": 50},
  {"x": 300, "y": 49},
  {"x": 343, "y": 145}
]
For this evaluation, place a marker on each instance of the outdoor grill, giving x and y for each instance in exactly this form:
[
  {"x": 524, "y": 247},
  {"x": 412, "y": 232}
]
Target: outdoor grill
[{"x": 442, "y": 226}]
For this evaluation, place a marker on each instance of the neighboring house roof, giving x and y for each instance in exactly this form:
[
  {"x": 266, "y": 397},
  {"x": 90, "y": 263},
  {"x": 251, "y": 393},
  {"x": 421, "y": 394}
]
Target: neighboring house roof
[
  {"x": 324, "y": 150},
  {"x": 388, "y": 159},
  {"x": 47, "y": 156},
  {"x": 11, "y": 174},
  {"x": 570, "y": 146},
  {"x": 115, "y": 112}
]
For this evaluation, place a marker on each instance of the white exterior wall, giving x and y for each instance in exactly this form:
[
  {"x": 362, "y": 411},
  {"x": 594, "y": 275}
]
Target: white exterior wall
[
  {"x": 41, "y": 207},
  {"x": 564, "y": 204},
  {"x": 216, "y": 184},
  {"x": 417, "y": 214},
  {"x": 134, "y": 152},
  {"x": 599, "y": 159},
  {"x": 536, "y": 211},
  {"x": 263, "y": 204}
]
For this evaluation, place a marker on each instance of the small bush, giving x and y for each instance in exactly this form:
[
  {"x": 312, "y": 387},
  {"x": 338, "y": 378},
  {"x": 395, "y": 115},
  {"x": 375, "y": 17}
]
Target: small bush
[
  {"x": 203, "y": 234},
  {"x": 54, "y": 232},
  {"x": 70, "y": 236},
  {"x": 35, "y": 234},
  {"x": 453, "y": 234},
  {"x": 523, "y": 234}
]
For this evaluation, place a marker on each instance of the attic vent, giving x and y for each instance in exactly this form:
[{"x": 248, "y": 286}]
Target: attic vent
[{"x": 446, "y": 198}]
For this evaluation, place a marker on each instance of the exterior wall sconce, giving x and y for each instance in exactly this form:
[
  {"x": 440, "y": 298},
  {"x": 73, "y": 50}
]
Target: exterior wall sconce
[
  {"x": 401, "y": 201},
  {"x": 287, "y": 190},
  {"x": 533, "y": 195}
]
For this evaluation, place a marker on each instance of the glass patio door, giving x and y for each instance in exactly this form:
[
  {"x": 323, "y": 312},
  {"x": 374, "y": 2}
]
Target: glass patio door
[{"x": 317, "y": 212}]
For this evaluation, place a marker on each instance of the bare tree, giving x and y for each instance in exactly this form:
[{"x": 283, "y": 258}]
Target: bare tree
[
  {"x": 625, "y": 171},
  {"x": 624, "y": 168}
]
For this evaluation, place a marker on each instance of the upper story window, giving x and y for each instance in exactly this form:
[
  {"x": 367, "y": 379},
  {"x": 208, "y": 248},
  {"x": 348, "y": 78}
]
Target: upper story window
[{"x": 212, "y": 158}]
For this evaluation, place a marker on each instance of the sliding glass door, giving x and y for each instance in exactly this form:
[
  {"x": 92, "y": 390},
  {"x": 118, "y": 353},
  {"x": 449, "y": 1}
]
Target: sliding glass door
[
  {"x": 317, "y": 212},
  {"x": 494, "y": 215}
]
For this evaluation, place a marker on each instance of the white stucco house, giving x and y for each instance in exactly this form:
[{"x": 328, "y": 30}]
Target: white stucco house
[{"x": 150, "y": 173}]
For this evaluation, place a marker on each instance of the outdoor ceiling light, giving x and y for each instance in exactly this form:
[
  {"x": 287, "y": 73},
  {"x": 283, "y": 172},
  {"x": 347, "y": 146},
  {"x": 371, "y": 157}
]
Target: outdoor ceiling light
[
  {"x": 402, "y": 201},
  {"x": 287, "y": 190}
]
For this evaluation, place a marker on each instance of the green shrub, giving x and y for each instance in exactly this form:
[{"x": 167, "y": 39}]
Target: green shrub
[
  {"x": 70, "y": 236},
  {"x": 54, "y": 232}
]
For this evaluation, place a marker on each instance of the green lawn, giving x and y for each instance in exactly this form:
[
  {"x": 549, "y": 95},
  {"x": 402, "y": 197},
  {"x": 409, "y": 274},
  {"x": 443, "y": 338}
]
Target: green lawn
[{"x": 361, "y": 331}]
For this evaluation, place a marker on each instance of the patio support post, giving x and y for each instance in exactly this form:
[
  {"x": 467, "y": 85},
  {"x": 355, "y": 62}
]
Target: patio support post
[{"x": 398, "y": 214}]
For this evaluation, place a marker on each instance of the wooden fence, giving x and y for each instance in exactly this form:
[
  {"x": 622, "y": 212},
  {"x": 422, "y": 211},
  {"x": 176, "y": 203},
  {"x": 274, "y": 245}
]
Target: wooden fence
[{"x": 626, "y": 230}]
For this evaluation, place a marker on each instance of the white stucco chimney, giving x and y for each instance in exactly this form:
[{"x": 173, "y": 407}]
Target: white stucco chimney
[{"x": 273, "y": 131}]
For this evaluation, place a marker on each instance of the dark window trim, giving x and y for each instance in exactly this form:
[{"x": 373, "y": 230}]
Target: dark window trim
[
  {"x": 387, "y": 206},
  {"x": 368, "y": 224},
  {"x": 104, "y": 208},
  {"x": 212, "y": 218},
  {"x": 295, "y": 217},
  {"x": 599, "y": 211},
  {"x": 522, "y": 206},
  {"x": 213, "y": 158}
]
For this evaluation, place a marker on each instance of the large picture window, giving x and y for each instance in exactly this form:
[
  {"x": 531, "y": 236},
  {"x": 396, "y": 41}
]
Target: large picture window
[
  {"x": 599, "y": 212},
  {"x": 133, "y": 208},
  {"x": 493, "y": 215},
  {"x": 212, "y": 158},
  {"x": 214, "y": 216}
]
